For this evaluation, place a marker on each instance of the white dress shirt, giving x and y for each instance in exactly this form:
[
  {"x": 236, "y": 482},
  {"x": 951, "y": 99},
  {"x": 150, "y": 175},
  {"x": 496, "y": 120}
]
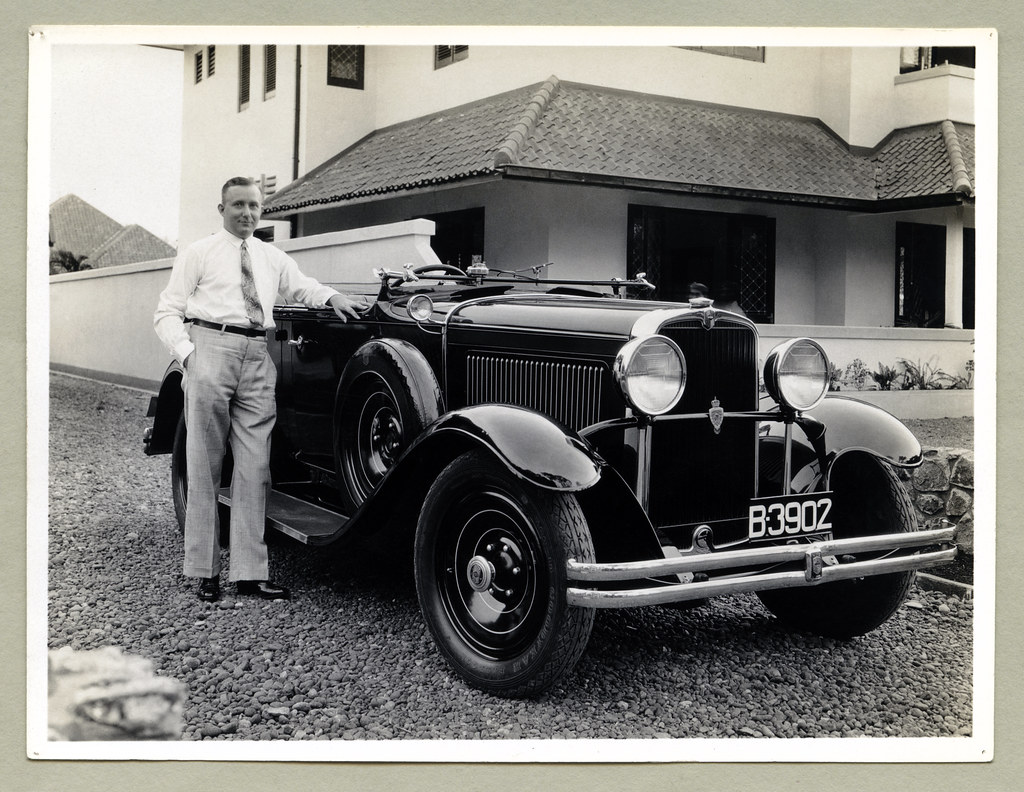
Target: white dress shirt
[{"x": 206, "y": 283}]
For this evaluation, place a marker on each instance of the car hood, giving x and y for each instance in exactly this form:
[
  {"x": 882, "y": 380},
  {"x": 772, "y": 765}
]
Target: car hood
[{"x": 588, "y": 315}]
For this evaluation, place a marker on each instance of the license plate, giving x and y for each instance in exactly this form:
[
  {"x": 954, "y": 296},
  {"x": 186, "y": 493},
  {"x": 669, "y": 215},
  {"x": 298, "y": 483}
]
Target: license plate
[{"x": 790, "y": 517}]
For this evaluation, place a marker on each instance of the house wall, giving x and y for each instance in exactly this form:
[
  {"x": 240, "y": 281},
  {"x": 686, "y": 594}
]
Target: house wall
[
  {"x": 220, "y": 141},
  {"x": 832, "y": 267},
  {"x": 857, "y": 92},
  {"x": 334, "y": 117}
]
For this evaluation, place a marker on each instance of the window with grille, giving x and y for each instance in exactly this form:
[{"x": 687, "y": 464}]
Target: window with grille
[
  {"x": 732, "y": 254},
  {"x": 447, "y": 54},
  {"x": 199, "y": 66},
  {"x": 920, "y": 284},
  {"x": 243, "y": 76},
  {"x": 269, "y": 70},
  {"x": 345, "y": 65},
  {"x": 743, "y": 53},
  {"x": 211, "y": 59},
  {"x": 914, "y": 59}
]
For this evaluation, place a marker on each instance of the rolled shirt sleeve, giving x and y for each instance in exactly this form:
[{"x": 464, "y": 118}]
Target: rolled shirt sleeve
[{"x": 169, "y": 318}]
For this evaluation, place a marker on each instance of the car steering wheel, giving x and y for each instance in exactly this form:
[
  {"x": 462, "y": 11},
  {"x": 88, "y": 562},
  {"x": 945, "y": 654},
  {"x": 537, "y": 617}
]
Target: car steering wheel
[{"x": 445, "y": 268}]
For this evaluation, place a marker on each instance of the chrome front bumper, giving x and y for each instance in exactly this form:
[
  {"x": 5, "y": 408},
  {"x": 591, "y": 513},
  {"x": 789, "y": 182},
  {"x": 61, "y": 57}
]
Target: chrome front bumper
[{"x": 819, "y": 560}]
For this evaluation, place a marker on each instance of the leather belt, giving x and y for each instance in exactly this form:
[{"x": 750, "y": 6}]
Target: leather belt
[{"x": 251, "y": 332}]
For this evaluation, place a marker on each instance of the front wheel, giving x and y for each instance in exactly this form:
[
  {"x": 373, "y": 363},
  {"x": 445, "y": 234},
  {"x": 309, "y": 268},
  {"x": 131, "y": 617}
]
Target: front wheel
[
  {"x": 490, "y": 562},
  {"x": 868, "y": 498}
]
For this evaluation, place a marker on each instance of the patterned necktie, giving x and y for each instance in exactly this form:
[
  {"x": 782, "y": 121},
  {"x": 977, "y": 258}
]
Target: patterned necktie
[{"x": 253, "y": 309}]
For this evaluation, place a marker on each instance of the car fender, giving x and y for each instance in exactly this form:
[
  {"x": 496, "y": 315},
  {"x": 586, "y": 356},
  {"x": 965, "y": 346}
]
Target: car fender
[
  {"x": 532, "y": 447},
  {"x": 165, "y": 408},
  {"x": 841, "y": 425},
  {"x": 528, "y": 443},
  {"x": 414, "y": 369}
]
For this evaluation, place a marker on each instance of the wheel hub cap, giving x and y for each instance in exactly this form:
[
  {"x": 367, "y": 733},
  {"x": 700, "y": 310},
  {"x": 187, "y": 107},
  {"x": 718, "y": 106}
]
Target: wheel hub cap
[{"x": 479, "y": 573}]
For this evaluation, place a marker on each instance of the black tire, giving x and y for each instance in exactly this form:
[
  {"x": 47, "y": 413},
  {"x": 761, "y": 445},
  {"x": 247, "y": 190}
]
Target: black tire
[
  {"x": 377, "y": 419},
  {"x": 868, "y": 499},
  {"x": 179, "y": 482},
  {"x": 489, "y": 557}
]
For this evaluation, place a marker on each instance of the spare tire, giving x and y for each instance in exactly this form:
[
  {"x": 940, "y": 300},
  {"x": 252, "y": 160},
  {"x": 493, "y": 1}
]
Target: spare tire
[{"x": 388, "y": 394}]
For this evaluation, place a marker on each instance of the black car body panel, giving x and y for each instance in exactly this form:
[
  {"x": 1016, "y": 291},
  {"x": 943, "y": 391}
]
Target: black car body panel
[{"x": 526, "y": 389}]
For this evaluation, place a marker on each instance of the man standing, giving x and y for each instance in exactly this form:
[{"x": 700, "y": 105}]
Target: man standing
[{"x": 213, "y": 317}]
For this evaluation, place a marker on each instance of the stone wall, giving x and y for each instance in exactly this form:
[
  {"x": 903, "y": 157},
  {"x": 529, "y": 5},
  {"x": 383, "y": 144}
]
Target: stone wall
[{"x": 942, "y": 488}]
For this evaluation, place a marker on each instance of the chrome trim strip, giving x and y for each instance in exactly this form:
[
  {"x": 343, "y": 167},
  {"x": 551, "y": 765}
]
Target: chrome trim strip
[{"x": 774, "y": 554}]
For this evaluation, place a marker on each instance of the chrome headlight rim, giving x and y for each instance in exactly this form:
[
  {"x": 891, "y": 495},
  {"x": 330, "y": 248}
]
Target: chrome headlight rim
[
  {"x": 420, "y": 307},
  {"x": 774, "y": 375},
  {"x": 621, "y": 370}
]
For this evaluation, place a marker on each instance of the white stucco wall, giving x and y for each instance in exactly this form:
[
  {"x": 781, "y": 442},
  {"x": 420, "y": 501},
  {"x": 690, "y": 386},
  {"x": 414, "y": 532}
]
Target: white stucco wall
[
  {"x": 832, "y": 267},
  {"x": 85, "y": 339},
  {"x": 101, "y": 322},
  {"x": 219, "y": 141}
]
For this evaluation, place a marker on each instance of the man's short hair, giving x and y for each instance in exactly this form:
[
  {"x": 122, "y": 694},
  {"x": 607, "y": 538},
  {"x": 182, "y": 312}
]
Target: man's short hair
[{"x": 238, "y": 181}]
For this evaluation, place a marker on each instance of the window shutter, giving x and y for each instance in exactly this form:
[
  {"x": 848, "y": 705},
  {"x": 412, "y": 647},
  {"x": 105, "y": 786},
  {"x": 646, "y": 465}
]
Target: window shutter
[
  {"x": 447, "y": 54},
  {"x": 243, "y": 76},
  {"x": 199, "y": 66},
  {"x": 269, "y": 70},
  {"x": 211, "y": 59}
]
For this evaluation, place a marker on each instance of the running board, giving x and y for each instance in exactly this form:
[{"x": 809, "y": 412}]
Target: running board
[{"x": 299, "y": 519}]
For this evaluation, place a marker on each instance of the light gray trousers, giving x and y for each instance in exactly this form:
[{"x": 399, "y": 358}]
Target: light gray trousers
[{"x": 229, "y": 398}]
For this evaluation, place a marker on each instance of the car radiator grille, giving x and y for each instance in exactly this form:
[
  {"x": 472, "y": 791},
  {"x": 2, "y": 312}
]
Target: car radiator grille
[
  {"x": 698, "y": 475},
  {"x": 568, "y": 392}
]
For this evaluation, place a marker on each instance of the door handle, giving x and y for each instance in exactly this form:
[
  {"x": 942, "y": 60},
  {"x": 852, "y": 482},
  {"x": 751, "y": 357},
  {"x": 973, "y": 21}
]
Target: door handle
[{"x": 301, "y": 342}]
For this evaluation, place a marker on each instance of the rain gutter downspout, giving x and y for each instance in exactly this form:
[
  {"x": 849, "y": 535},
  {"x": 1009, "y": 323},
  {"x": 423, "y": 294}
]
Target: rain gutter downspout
[{"x": 294, "y": 221}]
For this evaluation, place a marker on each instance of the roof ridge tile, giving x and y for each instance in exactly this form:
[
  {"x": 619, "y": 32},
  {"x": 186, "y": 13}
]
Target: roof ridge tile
[
  {"x": 961, "y": 177},
  {"x": 508, "y": 152}
]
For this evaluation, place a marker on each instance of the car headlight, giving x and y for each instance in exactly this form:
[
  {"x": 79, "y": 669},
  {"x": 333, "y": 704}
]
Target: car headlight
[
  {"x": 796, "y": 374},
  {"x": 420, "y": 307},
  {"x": 651, "y": 372}
]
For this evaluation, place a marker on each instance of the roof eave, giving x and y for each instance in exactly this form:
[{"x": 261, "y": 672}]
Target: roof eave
[
  {"x": 868, "y": 205},
  {"x": 352, "y": 199}
]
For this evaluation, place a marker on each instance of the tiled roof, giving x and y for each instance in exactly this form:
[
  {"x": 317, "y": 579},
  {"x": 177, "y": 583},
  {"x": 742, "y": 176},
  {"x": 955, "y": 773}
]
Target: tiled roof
[
  {"x": 928, "y": 160},
  {"x": 78, "y": 226},
  {"x": 131, "y": 244},
  {"x": 82, "y": 229},
  {"x": 566, "y": 130}
]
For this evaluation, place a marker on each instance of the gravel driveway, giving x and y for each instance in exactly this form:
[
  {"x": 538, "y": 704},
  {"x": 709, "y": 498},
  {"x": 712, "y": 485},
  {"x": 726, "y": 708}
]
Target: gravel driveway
[{"x": 350, "y": 658}]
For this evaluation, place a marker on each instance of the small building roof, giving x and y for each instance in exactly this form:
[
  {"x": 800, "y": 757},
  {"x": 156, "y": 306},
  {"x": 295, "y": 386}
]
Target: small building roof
[
  {"x": 82, "y": 229},
  {"x": 586, "y": 134},
  {"x": 131, "y": 244},
  {"x": 78, "y": 226}
]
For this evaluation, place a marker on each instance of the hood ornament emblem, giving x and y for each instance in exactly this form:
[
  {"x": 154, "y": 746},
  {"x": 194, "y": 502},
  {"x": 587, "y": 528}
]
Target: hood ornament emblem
[{"x": 717, "y": 415}]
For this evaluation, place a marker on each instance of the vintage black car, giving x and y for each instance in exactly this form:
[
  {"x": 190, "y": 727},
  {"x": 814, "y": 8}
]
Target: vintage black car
[{"x": 550, "y": 447}]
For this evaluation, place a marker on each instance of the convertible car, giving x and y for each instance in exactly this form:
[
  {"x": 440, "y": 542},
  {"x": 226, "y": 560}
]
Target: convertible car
[{"x": 546, "y": 447}]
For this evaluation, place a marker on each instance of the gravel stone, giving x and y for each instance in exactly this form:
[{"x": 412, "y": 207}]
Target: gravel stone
[{"x": 349, "y": 658}]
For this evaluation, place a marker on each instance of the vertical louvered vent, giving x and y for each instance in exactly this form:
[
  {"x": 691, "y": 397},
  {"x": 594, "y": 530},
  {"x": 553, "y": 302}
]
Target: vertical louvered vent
[{"x": 568, "y": 392}]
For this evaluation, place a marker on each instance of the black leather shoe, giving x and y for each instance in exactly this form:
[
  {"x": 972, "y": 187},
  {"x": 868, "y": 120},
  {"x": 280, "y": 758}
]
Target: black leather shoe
[
  {"x": 209, "y": 589},
  {"x": 263, "y": 589}
]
